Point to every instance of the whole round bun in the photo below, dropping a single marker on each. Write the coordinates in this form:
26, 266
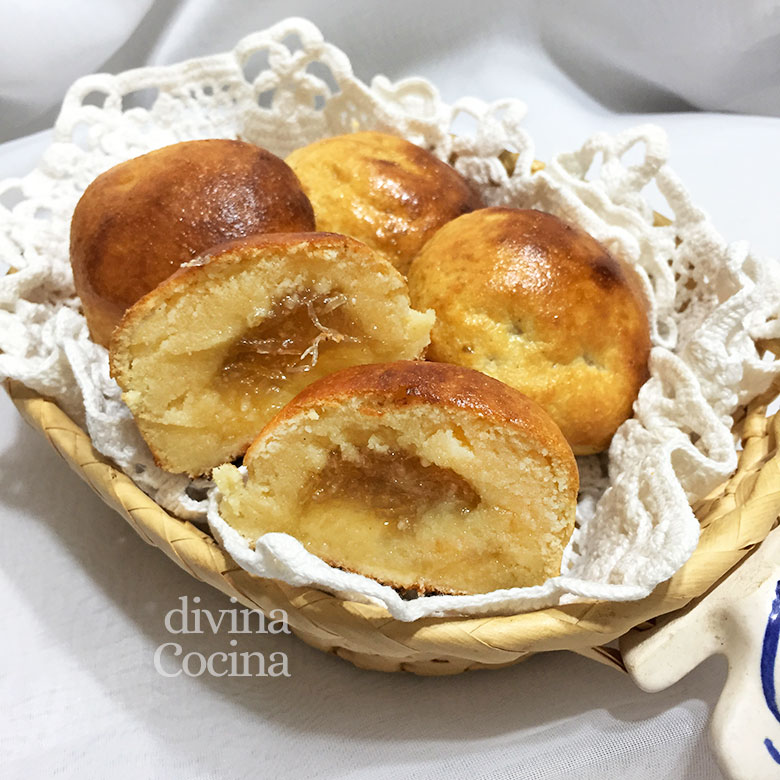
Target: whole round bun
208, 357
140, 220
381, 189
424, 476
541, 305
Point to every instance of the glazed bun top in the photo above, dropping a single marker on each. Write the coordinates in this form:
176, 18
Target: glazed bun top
382, 190
140, 220
541, 305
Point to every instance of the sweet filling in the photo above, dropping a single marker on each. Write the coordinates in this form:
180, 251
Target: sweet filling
291, 340
396, 486
370, 504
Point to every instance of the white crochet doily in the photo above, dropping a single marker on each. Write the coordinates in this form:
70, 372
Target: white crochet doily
283, 88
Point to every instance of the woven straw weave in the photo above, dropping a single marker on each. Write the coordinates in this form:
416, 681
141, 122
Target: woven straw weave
733, 518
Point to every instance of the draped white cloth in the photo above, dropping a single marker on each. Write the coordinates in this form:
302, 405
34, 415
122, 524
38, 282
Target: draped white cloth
647, 55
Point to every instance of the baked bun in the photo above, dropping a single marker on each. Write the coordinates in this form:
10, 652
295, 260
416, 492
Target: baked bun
541, 305
381, 189
209, 356
424, 476
140, 220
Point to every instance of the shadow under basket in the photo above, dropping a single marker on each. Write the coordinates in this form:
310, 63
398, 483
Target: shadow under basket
734, 519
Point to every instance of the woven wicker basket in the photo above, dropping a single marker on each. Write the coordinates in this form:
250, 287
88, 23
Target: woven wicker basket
733, 518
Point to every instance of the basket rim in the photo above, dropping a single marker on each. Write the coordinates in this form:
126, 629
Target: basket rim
334, 623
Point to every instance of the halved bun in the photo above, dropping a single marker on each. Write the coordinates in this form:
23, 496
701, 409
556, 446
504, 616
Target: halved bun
424, 476
209, 356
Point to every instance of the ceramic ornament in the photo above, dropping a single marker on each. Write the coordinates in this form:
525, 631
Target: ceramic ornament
739, 618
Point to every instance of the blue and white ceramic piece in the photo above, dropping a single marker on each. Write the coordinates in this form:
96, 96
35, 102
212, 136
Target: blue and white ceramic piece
739, 618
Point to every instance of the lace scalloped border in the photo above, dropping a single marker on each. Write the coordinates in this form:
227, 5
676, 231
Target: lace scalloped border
283, 88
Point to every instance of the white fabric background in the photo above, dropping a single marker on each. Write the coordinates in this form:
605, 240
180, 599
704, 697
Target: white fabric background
84, 599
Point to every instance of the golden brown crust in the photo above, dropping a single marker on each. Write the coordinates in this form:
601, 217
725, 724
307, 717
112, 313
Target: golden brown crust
381, 189
140, 220
541, 305
412, 382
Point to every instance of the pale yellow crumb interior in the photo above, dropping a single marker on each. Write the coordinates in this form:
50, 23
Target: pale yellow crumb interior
420, 498
206, 370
